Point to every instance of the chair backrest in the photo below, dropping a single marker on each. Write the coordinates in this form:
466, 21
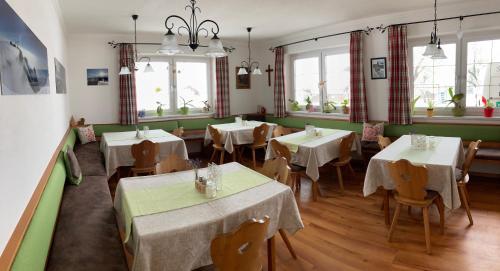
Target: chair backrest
277, 169
345, 148
260, 134
240, 249
172, 163
145, 154
471, 154
216, 136
178, 132
410, 180
281, 131
383, 142
281, 150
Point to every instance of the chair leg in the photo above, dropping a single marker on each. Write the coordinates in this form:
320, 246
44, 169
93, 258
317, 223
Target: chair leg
440, 205
351, 170
315, 190
463, 198
467, 194
253, 159
287, 243
341, 182
427, 229
387, 214
271, 254
222, 157
212, 158
394, 221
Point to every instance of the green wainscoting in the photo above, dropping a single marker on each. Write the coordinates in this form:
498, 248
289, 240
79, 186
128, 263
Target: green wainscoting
465, 131
201, 124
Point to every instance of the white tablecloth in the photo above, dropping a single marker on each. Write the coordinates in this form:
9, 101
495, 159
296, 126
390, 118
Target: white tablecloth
318, 151
237, 134
116, 147
440, 162
180, 239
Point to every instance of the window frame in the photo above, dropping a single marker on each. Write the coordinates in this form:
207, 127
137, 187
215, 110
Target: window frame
321, 55
173, 93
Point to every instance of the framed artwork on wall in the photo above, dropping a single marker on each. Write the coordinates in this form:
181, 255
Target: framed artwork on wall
60, 77
97, 77
24, 68
243, 80
379, 68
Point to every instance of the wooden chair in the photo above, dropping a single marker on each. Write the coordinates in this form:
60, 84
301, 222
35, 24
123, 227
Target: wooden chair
344, 158
281, 150
240, 249
218, 147
410, 190
383, 142
172, 163
178, 132
281, 131
277, 169
145, 155
462, 177
259, 141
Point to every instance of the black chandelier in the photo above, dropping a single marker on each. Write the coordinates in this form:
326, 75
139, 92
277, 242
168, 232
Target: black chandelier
433, 49
246, 66
170, 46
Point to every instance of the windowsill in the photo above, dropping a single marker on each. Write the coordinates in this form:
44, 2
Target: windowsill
177, 117
319, 115
459, 120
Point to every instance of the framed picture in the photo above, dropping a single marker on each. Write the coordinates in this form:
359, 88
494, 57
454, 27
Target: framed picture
242, 81
24, 68
97, 77
379, 68
60, 77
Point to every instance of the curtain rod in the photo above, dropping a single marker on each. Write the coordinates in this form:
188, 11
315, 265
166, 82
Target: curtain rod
382, 28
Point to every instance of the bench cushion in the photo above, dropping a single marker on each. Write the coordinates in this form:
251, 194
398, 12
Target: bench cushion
488, 154
86, 236
90, 159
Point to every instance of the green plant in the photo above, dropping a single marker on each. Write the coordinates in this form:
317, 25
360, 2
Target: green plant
329, 106
487, 103
294, 105
413, 103
309, 106
454, 98
159, 109
308, 100
430, 105
184, 110
345, 102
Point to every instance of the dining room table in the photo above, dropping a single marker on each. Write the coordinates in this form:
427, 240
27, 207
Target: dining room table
238, 133
116, 147
440, 155
166, 224
313, 151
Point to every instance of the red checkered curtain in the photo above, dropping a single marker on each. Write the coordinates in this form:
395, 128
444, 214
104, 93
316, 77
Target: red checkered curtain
222, 94
279, 83
128, 102
399, 91
359, 111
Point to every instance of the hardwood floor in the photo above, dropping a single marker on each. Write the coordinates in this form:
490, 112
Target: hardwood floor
347, 232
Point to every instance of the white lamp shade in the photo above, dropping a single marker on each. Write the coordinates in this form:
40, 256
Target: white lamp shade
439, 54
257, 71
430, 49
215, 48
149, 68
169, 45
242, 71
124, 71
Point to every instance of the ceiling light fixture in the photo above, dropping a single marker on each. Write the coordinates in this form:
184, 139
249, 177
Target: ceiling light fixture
170, 45
124, 70
246, 66
433, 49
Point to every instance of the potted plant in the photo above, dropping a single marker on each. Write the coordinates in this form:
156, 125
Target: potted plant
294, 105
206, 107
159, 109
455, 99
430, 108
329, 106
488, 107
345, 106
309, 106
184, 110
412, 105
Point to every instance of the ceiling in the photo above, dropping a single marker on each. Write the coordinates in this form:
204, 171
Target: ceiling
270, 18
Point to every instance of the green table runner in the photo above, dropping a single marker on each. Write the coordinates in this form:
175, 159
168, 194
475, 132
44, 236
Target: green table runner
294, 142
168, 197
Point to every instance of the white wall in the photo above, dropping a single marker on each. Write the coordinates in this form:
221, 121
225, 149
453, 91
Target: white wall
376, 43
100, 104
31, 125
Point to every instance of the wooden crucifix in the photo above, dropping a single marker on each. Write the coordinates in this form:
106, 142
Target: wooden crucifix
269, 71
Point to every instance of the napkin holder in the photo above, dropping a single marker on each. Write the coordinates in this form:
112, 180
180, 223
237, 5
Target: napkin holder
201, 185
238, 120
310, 130
418, 142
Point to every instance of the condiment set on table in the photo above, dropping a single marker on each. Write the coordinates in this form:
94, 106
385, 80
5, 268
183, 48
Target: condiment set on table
208, 185
422, 142
144, 134
241, 121
312, 131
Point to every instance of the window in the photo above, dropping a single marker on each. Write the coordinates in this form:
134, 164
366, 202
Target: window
433, 77
189, 83
483, 71
324, 77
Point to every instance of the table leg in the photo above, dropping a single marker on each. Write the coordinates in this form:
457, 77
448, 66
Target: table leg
271, 254
315, 190
386, 207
